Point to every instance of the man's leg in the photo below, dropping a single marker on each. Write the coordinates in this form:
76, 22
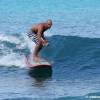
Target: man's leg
36, 51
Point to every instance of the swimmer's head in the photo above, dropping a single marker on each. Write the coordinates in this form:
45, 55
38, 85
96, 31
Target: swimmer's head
49, 23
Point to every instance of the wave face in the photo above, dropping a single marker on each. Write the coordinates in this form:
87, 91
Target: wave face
75, 55
75, 49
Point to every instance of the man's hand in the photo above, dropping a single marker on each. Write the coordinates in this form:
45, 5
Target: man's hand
44, 42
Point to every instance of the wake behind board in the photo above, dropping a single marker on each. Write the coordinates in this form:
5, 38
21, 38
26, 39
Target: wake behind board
37, 64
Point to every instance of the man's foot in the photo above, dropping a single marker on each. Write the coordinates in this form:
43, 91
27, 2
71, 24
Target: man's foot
36, 58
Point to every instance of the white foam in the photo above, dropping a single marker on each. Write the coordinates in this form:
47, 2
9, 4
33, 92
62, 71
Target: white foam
9, 38
9, 58
13, 59
30, 44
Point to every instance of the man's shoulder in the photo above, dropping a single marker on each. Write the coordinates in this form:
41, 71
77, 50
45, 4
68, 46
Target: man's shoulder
41, 25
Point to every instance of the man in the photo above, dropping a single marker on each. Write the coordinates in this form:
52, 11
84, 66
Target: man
37, 35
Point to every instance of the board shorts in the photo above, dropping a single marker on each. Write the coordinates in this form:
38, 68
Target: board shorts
33, 37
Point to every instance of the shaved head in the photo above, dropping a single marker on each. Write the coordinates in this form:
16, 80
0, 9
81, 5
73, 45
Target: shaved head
49, 22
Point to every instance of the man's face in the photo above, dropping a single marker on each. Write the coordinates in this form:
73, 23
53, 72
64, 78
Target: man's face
49, 25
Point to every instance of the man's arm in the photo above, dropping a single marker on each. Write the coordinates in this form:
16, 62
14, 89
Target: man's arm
44, 40
40, 33
41, 36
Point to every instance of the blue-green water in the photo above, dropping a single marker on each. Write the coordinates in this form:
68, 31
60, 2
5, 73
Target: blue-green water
74, 49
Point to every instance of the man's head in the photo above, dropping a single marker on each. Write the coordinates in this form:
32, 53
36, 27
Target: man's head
49, 23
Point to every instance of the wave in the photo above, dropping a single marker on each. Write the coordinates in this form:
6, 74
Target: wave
12, 50
74, 55
72, 46
66, 49
75, 58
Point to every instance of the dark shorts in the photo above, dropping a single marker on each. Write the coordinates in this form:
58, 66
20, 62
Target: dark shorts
33, 37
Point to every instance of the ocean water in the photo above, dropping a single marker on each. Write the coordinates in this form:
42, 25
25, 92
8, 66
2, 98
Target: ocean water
74, 50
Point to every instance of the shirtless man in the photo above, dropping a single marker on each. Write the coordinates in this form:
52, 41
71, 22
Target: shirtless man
36, 34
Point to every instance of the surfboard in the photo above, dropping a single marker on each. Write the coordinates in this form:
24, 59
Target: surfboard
40, 69
37, 64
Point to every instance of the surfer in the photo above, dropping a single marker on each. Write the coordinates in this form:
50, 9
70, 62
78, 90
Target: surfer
36, 34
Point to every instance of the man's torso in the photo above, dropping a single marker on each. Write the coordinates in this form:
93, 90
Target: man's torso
39, 27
